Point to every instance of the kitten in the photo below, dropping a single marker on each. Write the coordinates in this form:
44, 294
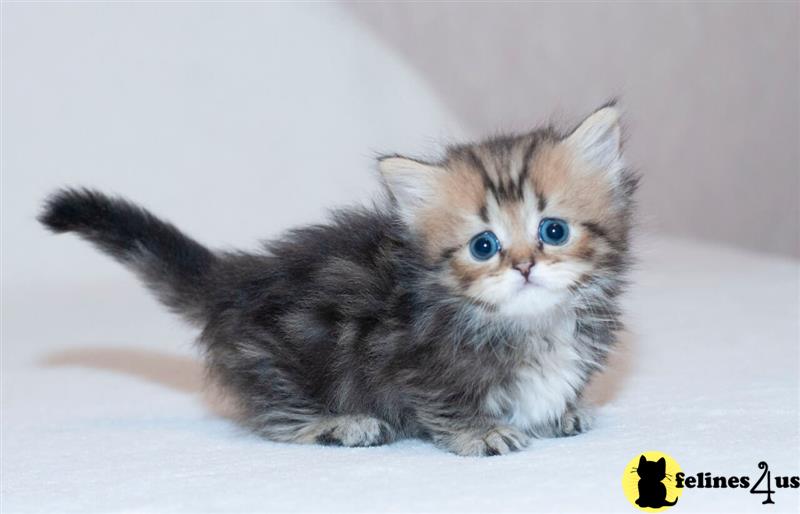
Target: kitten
652, 493
470, 310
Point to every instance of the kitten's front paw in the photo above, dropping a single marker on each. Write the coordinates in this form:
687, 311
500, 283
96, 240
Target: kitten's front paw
495, 441
354, 430
576, 420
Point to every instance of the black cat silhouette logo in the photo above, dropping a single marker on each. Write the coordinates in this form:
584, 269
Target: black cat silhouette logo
649, 481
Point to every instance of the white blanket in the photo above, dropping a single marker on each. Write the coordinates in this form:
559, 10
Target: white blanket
104, 409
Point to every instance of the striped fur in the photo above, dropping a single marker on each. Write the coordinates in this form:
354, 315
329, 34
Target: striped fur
379, 325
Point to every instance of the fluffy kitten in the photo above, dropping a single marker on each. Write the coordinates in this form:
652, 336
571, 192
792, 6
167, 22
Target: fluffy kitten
470, 310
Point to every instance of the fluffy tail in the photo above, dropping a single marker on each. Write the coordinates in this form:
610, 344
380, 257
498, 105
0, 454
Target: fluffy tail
177, 268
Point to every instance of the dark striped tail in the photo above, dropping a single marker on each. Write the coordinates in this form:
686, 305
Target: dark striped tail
177, 268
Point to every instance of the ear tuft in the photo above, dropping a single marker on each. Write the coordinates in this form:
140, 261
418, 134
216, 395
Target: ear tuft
411, 183
598, 139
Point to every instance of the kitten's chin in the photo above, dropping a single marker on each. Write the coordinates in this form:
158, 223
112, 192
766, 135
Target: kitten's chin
532, 302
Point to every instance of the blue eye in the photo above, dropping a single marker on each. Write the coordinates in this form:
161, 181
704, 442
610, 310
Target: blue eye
484, 246
553, 231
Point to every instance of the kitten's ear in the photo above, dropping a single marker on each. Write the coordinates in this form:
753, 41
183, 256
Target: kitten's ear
662, 463
598, 139
411, 183
642, 460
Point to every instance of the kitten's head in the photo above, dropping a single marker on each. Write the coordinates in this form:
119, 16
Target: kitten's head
652, 469
519, 224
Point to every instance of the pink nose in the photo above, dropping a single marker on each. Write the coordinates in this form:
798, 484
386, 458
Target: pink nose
524, 268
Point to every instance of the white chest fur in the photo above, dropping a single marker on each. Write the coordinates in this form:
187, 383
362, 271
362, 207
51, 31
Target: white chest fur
544, 385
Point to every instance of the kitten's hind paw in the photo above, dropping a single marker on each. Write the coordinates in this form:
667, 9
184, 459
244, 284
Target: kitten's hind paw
576, 420
495, 441
353, 430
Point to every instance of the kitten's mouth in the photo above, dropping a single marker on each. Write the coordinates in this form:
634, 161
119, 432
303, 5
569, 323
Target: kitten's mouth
530, 282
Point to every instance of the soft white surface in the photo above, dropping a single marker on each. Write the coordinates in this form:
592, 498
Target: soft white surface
103, 409
237, 126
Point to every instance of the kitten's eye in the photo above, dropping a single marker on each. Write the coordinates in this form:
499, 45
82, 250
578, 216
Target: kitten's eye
484, 246
553, 231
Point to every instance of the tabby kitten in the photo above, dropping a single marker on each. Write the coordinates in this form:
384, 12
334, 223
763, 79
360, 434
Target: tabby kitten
470, 310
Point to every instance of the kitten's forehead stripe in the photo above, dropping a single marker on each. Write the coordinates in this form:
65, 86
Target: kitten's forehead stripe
503, 166
483, 213
481, 169
524, 173
541, 202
